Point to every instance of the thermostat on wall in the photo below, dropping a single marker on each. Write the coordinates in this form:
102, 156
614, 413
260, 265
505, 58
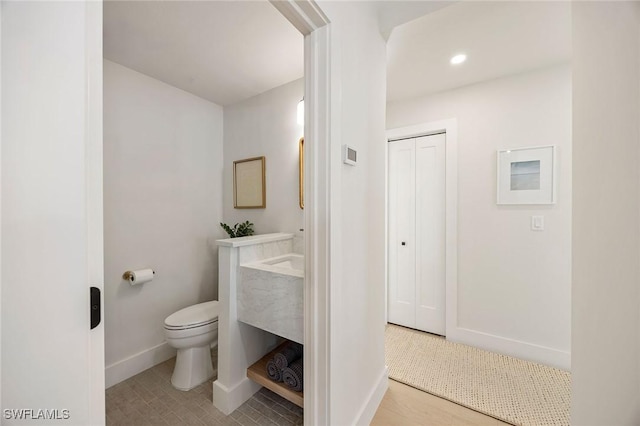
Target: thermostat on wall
350, 155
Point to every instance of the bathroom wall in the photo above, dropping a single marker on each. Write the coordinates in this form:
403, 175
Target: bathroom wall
266, 125
514, 284
162, 205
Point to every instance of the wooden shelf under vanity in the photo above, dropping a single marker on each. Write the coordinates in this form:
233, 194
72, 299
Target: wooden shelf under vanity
258, 373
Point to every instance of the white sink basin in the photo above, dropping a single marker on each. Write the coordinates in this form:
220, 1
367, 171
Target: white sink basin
288, 264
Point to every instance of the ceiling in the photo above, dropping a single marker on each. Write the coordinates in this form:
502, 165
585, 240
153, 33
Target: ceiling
228, 51
392, 13
222, 51
499, 38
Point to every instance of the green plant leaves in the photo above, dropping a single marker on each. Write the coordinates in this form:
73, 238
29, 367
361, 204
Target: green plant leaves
243, 229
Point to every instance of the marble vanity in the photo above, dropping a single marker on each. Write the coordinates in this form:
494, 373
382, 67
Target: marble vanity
271, 295
260, 291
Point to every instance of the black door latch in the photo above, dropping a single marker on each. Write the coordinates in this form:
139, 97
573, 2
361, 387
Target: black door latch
95, 307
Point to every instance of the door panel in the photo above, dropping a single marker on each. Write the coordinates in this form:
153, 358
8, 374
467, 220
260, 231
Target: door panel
51, 212
402, 230
430, 234
417, 279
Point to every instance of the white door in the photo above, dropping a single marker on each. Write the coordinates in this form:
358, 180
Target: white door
52, 363
430, 234
402, 236
417, 233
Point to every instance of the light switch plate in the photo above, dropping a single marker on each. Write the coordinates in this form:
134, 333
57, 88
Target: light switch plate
537, 223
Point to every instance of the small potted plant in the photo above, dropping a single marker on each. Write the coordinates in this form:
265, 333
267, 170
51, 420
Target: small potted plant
243, 229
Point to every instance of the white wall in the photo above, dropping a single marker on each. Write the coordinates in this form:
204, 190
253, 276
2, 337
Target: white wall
357, 295
266, 125
162, 204
606, 211
514, 284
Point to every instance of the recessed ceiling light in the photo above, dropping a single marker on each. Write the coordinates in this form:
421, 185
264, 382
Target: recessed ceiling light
458, 59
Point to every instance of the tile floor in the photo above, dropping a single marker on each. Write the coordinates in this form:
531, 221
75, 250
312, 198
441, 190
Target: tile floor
148, 399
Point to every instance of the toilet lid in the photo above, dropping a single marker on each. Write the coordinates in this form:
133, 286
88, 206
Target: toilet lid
194, 315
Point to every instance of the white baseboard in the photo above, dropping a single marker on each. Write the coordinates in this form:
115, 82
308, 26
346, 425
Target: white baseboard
375, 397
228, 399
516, 348
129, 367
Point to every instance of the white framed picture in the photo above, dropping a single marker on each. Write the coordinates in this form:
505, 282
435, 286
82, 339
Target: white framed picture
527, 175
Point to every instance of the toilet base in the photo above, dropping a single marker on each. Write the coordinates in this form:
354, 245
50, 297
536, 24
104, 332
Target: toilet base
193, 367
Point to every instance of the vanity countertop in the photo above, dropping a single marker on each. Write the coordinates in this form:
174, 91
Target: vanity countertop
291, 264
254, 239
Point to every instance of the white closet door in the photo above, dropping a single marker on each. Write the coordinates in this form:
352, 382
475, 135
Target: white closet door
402, 249
430, 233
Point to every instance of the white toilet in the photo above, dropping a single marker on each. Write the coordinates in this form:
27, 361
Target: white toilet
192, 330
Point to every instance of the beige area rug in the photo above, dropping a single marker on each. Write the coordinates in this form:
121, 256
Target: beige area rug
509, 389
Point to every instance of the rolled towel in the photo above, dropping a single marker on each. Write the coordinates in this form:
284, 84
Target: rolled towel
292, 375
273, 371
286, 356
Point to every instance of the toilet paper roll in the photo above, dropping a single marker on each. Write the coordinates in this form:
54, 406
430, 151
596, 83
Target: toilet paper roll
139, 276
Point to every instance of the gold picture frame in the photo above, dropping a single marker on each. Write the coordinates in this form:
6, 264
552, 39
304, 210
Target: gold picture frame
301, 171
249, 189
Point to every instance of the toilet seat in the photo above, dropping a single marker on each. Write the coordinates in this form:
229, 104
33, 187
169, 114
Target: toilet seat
187, 327
200, 315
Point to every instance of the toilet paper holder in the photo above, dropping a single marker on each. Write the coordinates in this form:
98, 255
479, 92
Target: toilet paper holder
129, 274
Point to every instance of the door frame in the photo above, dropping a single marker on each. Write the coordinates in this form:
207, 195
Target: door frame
314, 25
450, 127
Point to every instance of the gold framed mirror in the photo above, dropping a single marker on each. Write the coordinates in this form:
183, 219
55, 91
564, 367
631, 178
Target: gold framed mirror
301, 171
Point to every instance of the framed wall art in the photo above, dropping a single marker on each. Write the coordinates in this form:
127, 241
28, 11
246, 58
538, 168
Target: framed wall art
249, 190
527, 175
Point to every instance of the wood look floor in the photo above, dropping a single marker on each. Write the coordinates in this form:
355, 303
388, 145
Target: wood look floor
403, 405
